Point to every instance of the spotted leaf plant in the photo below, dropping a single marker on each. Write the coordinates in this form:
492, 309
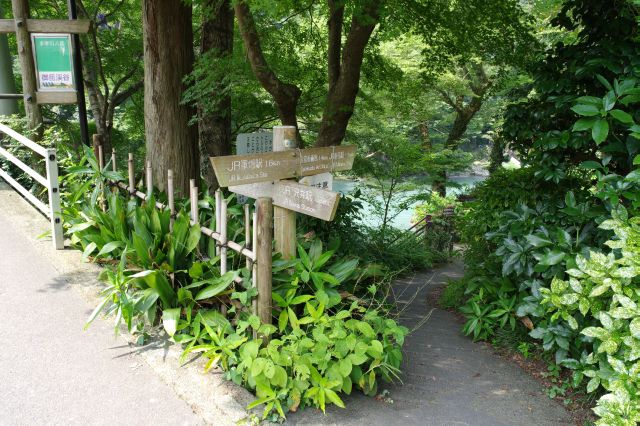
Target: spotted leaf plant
601, 299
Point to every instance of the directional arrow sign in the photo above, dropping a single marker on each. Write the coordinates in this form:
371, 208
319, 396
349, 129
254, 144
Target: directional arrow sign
273, 166
293, 196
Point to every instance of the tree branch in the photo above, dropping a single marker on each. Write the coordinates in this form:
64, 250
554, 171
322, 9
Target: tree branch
285, 95
126, 94
335, 22
449, 100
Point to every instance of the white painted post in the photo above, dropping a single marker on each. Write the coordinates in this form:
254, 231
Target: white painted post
54, 199
170, 200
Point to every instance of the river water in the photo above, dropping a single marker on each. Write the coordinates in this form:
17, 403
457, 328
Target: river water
403, 219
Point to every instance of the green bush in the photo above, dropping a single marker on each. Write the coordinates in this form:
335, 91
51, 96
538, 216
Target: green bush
326, 342
453, 294
556, 242
600, 300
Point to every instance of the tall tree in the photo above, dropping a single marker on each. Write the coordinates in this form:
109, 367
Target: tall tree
344, 75
344, 63
25, 55
168, 57
216, 42
465, 106
109, 78
285, 95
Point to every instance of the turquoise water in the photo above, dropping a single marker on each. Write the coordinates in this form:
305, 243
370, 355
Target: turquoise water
403, 219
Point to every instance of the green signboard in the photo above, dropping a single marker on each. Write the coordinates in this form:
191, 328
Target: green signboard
54, 66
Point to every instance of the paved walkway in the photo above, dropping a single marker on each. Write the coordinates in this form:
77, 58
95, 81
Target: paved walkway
53, 372
448, 379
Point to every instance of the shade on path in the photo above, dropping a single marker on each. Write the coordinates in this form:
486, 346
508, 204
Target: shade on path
447, 379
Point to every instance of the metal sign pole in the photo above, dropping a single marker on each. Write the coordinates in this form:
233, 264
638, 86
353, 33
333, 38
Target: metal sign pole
77, 70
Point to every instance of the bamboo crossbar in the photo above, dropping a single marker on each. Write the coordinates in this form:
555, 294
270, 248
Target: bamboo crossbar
206, 231
257, 228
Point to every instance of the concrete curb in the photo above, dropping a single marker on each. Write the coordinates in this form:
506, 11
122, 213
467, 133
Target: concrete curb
216, 400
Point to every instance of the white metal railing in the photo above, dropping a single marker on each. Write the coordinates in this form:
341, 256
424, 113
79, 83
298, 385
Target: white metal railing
50, 182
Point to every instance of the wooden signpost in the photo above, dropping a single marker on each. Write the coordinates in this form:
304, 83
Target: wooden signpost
271, 166
294, 196
266, 177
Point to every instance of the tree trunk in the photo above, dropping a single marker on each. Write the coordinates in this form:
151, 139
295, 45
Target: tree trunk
423, 127
215, 128
285, 95
334, 24
25, 54
480, 84
496, 157
168, 57
341, 98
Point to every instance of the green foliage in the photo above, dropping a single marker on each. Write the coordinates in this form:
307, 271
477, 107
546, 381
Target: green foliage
453, 294
324, 356
606, 51
599, 300
434, 205
327, 341
562, 232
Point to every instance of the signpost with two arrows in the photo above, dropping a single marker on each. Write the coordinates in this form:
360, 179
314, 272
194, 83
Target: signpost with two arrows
269, 177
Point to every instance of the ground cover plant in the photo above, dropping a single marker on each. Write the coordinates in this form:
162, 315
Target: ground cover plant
332, 330
562, 231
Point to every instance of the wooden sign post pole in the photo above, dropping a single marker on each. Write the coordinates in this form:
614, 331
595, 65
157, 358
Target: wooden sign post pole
25, 54
263, 248
284, 220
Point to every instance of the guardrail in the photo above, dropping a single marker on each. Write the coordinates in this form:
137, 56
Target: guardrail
50, 182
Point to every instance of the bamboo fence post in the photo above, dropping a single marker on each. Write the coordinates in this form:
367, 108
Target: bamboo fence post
149, 180
101, 165
217, 214
254, 266
113, 160
100, 157
193, 190
223, 245
170, 200
132, 176
96, 142
264, 207
223, 237
247, 231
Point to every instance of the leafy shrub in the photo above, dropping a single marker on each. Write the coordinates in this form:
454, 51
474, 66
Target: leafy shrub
453, 294
564, 250
600, 301
327, 340
434, 205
